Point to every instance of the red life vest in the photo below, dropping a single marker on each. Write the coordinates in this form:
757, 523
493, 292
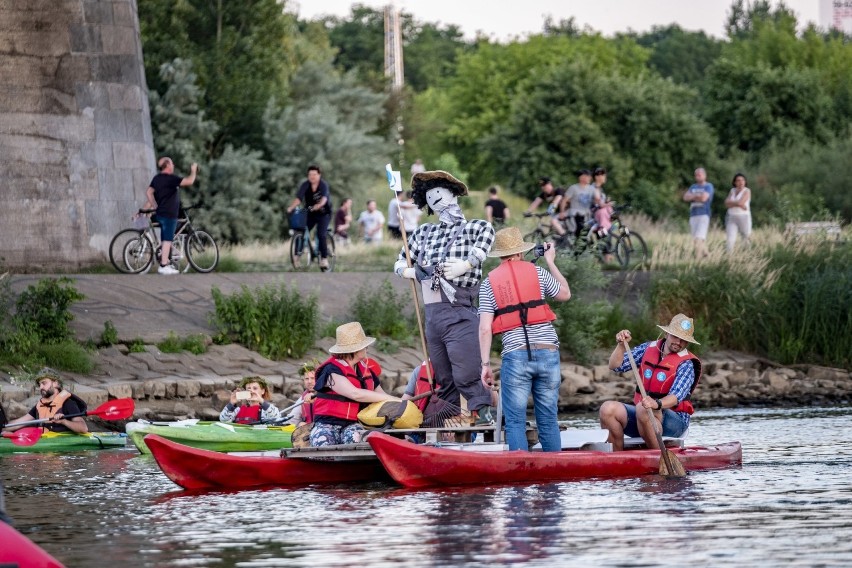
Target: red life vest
372, 365
329, 403
248, 414
658, 375
422, 386
307, 409
517, 293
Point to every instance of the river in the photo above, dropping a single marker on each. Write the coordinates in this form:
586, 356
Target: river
790, 504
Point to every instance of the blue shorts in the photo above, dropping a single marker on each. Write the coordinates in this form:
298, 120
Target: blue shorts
673, 426
167, 228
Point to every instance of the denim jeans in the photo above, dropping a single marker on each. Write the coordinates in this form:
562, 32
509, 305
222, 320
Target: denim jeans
518, 377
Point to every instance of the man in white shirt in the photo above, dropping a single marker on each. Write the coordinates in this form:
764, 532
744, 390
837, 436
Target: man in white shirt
371, 222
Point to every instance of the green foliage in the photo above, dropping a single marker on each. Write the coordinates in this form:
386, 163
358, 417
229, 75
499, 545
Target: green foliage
45, 307
277, 322
109, 336
66, 355
229, 263
641, 323
136, 345
195, 344
679, 54
381, 311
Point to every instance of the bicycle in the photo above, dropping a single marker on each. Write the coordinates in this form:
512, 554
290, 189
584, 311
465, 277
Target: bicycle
301, 256
133, 251
544, 231
625, 244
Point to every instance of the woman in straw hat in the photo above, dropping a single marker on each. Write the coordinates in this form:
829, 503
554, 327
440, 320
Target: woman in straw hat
341, 389
512, 302
250, 403
669, 374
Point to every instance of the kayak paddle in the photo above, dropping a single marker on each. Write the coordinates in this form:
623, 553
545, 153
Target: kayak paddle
117, 409
670, 466
24, 436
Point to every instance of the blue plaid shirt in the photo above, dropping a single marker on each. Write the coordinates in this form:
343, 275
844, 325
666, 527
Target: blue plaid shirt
684, 377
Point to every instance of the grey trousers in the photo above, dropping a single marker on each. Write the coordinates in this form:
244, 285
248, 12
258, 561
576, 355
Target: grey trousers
452, 334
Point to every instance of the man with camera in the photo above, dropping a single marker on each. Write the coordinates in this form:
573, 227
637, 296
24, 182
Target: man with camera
250, 403
512, 302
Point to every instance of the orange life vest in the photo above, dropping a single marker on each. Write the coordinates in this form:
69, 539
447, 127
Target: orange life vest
329, 403
517, 293
659, 373
49, 410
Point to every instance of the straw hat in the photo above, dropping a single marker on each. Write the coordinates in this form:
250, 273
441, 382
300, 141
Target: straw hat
682, 327
350, 339
424, 181
509, 241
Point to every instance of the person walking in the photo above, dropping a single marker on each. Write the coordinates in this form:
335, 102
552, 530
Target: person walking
512, 303
496, 210
738, 219
371, 222
163, 193
342, 221
699, 196
315, 194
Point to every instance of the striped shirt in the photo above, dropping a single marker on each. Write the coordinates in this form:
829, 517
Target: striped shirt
472, 244
684, 377
538, 333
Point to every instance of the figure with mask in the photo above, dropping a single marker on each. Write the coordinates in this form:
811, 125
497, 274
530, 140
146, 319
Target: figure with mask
447, 259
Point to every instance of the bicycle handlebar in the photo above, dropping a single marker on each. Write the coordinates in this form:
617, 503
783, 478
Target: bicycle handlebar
539, 215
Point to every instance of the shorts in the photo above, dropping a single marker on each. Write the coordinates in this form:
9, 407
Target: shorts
673, 425
699, 225
167, 228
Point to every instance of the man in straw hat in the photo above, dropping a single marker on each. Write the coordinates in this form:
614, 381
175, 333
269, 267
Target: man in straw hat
341, 389
54, 404
512, 302
447, 258
669, 374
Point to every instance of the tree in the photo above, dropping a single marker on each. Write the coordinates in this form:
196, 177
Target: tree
682, 55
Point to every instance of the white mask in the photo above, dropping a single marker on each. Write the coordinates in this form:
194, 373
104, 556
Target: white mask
439, 198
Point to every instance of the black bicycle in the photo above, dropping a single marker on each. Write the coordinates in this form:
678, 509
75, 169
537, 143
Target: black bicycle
628, 247
304, 248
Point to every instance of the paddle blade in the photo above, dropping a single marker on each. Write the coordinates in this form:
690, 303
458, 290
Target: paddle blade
24, 436
117, 409
670, 466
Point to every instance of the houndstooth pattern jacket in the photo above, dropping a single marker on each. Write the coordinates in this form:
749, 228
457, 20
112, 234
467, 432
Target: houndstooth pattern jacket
428, 244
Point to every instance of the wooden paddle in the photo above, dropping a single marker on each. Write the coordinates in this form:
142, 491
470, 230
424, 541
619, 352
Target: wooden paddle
117, 409
24, 436
670, 466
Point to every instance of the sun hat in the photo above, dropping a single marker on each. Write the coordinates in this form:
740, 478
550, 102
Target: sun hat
509, 241
424, 181
682, 327
350, 339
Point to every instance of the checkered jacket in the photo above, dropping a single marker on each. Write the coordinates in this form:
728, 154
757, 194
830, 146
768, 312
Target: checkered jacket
472, 244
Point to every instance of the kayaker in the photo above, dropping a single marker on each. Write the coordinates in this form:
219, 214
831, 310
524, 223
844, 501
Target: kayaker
54, 404
512, 302
250, 403
447, 259
670, 374
341, 390
304, 413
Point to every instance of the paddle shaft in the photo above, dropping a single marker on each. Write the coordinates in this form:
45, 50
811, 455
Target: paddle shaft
664, 454
107, 411
45, 420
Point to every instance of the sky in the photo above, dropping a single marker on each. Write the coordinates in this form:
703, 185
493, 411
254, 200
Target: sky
503, 19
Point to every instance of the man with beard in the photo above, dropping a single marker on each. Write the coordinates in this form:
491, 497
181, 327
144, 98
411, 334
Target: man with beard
54, 404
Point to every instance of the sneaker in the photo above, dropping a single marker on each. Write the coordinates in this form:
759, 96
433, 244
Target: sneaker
167, 269
323, 264
484, 417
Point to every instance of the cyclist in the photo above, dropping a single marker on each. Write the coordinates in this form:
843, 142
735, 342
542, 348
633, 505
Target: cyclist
164, 194
315, 194
574, 208
602, 208
552, 196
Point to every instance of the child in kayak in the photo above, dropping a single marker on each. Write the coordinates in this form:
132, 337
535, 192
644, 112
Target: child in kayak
250, 403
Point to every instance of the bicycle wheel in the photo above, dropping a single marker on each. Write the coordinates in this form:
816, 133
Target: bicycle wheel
116, 248
202, 251
536, 236
631, 250
331, 255
138, 254
300, 254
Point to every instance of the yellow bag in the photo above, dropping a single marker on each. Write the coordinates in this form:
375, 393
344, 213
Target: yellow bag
376, 415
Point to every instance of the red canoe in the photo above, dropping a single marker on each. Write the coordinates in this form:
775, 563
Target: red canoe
414, 465
18, 551
192, 468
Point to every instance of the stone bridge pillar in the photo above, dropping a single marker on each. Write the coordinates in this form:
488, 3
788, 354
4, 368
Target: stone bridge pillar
76, 151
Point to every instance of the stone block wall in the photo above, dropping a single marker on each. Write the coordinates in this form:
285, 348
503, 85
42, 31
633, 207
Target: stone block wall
76, 149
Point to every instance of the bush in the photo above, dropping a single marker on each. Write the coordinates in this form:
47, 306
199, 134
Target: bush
109, 336
195, 344
45, 307
382, 312
66, 355
277, 322
136, 345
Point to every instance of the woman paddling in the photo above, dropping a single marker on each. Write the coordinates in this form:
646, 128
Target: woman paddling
341, 389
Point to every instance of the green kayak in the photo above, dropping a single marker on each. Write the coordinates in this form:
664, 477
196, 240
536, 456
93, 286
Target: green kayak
68, 442
215, 436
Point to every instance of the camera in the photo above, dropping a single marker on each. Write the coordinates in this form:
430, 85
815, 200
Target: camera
243, 395
538, 251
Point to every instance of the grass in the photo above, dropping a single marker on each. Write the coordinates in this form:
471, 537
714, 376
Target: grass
195, 344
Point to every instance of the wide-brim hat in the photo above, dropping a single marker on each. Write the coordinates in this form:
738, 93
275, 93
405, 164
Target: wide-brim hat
681, 326
351, 339
509, 241
424, 181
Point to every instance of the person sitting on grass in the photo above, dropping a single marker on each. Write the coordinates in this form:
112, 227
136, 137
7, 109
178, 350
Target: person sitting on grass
250, 403
341, 389
55, 403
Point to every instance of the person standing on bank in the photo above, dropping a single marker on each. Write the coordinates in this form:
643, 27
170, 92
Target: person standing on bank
512, 302
699, 196
738, 219
315, 194
669, 373
55, 403
164, 193
496, 210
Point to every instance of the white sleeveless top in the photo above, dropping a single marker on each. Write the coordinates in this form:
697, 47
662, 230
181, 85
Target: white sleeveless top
740, 210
